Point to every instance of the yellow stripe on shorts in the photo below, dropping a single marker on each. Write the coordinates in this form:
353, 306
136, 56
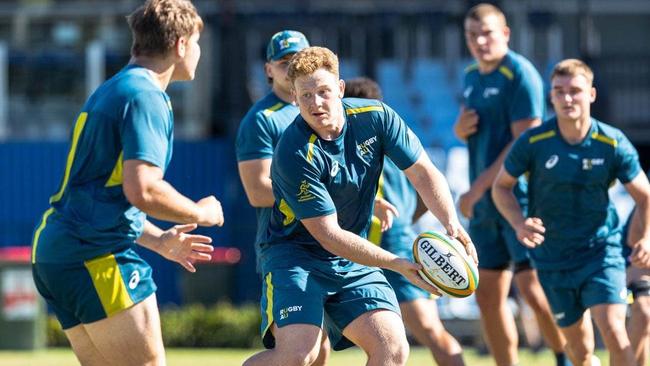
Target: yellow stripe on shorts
269, 302
109, 284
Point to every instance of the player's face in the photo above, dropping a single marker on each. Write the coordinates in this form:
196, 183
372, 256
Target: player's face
572, 96
277, 70
319, 98
189, 52
487, 40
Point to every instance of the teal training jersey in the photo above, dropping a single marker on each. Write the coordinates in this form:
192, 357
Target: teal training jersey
395, 188
128, 117
259, 132
512, 92
313, 177
568, 187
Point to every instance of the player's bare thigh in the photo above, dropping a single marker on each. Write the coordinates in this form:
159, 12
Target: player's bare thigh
130, 337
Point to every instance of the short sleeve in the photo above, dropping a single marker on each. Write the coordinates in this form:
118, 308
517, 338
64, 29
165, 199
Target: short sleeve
147, 128
518, 159
401, 144
254, 140
627, 159
527, 100
297, 180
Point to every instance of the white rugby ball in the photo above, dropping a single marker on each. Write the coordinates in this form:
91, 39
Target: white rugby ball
446, 264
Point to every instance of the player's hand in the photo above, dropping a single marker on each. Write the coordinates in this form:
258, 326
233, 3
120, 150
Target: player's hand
186, 249
467, 201
531, 232
211, 212
409, 270
640, 256
456, 230
466, 124
385, 212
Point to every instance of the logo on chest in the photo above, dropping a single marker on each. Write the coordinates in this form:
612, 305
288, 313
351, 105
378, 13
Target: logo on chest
335, 168
550, 163
364, 147
588, 164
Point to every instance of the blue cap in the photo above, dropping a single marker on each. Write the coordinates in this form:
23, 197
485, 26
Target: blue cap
285, 42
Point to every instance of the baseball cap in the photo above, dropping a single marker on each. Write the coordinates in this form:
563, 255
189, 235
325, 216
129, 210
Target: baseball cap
285, 42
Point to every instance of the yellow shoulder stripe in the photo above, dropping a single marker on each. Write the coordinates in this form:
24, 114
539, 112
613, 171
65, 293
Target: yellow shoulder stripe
604, 139
506, 72
116, 178
541, 136
310, 152
372, 108
471, 68
78, 127
268, 111
289, 216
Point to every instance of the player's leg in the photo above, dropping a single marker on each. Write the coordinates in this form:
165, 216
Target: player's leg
295, 345
380, 333
639, 324
422, 320
83, 347
580, 340
130, 337
610, 319
497, 320
531, 291
324, 351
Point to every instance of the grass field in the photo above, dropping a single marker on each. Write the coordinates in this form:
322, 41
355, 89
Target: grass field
232, 357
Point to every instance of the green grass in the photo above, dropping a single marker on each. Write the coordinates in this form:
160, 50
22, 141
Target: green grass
232, 357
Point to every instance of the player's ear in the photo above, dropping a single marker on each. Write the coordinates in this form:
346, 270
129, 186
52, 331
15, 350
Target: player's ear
181, 46
592, 95
506, 32
341, 88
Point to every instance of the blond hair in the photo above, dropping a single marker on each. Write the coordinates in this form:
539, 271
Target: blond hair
158, 24
483, 10
573, 67
308, 60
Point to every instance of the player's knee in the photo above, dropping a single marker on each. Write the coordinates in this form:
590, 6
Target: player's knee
303, 355
397, 353
615, 335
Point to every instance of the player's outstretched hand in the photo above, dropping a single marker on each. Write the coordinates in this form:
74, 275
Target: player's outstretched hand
212, 214
640, 256
466, 124
409, 270
456, 230
186, 249
385, 212
467, 201
531, 232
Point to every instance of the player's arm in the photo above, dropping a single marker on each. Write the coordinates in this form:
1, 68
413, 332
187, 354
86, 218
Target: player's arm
432, 187
484, 181
639, 234
176, 244
326, 230
530, 231
256, 177
145, 189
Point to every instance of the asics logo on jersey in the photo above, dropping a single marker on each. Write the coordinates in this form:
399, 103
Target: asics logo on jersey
550, 163
468, 91
134, 279
364, 147
284, 313
487, 92
303, 192
335, 169
588, 164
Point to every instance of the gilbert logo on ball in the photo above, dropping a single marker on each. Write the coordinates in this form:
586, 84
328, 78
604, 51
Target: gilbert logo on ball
446, 264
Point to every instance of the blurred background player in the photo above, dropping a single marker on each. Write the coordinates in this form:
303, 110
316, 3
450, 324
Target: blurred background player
259, 132
572, 227
638, 284
84, 264
419, 310
315, 260
503, 96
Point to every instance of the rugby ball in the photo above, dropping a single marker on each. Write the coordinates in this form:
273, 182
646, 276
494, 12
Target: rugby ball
445, 264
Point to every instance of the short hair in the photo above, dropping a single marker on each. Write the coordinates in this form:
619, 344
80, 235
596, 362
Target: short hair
362, 87
158, 24
310, 59
573, 67
483, 10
